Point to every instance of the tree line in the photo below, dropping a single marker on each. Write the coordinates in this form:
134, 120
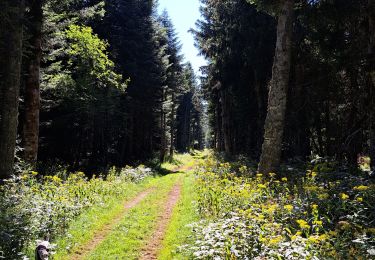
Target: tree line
93, 83
289, 78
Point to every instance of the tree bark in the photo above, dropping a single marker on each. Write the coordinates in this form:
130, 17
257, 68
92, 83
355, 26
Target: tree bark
32, 84
11, 36
172, 118
371, 71
277, 99
226, 122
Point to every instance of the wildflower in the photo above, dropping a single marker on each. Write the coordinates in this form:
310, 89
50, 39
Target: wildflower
56, 179
284, 179
323, 196
303, 224
288, 208
272, 174
275, 240
359, 199
314, 206
298, 234
314, 174
318, 222
344, 196
361, 188
259, 175
34, 173
262, 186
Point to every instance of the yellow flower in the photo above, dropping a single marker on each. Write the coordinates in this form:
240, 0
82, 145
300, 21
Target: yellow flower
303, 224
361, 188
313, 174
275, 240
262, 186
318, 222
288, 208
34, 173
344, 196
359, 199
314, 206
259, 175
323, 196
284, 179
298, 234
272, 174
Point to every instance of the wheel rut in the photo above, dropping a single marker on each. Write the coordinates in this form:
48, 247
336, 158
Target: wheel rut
153, 245
100, 235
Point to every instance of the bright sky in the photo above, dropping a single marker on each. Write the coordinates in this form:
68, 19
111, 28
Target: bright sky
184, 14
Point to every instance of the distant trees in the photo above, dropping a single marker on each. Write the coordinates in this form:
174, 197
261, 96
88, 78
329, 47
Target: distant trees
79, 57
328, 110
11, 39
239, 44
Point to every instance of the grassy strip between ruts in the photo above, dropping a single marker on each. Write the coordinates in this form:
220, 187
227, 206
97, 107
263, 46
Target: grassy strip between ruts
178, 233
83, 229
127, 238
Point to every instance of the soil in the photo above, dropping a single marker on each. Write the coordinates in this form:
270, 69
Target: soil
153, 245
99, 236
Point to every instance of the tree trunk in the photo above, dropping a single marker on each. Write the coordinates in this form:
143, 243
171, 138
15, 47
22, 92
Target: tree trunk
171, 148
11, 36
32, 84
277, 99
226, 122
163, 129
371, 71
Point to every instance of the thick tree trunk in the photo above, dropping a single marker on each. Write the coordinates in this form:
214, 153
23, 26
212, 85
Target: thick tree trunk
32, 84
11, 34
371, 71
277, 99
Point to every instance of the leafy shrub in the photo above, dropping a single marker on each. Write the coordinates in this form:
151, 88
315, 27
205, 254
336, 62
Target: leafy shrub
33, 207
305, 216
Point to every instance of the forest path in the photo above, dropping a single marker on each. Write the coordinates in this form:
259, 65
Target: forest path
149, 225
100, 235
153, 245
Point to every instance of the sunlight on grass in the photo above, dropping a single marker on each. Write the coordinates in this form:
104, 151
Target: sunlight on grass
178, 233
83, 229
127, 239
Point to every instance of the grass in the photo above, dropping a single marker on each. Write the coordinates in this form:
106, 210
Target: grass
178, 233
82, 230
126, 241
129, 236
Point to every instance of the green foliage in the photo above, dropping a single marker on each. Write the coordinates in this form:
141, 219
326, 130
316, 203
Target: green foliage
263, 216
89, 60
34, 207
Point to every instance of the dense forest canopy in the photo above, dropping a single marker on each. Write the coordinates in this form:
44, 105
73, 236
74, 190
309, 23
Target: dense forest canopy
101, 83
105, 83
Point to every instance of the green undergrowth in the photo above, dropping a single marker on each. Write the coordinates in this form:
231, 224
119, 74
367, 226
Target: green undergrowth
82, 230
35, 207
178, 232
307, 215
128, 237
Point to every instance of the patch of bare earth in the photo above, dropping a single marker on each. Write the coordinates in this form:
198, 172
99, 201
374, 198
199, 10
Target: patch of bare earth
183, 168
100, 235
153, 245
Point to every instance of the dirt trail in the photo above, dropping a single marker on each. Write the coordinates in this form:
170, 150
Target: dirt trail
99, 236
152, 247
